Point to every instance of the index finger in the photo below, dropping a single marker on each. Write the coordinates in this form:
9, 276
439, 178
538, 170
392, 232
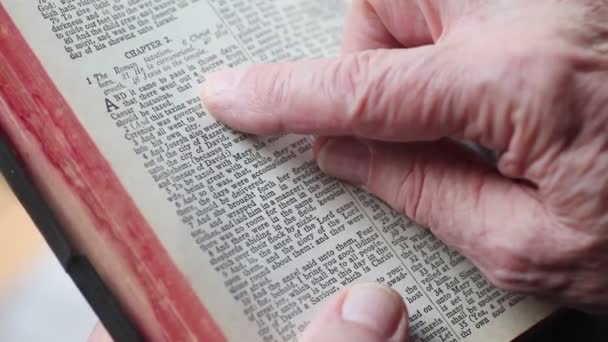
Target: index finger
392, 95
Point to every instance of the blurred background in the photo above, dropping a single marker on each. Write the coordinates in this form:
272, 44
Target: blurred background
38, 301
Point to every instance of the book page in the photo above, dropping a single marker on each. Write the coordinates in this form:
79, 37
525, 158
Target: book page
262, 235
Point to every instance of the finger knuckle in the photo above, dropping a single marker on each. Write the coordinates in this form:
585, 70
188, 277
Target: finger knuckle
409, 192
276, 87
540, 265
537, 88
508, 270
352, 77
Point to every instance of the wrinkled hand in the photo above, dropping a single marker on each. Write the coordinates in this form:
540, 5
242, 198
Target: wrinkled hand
528, 79
363, 313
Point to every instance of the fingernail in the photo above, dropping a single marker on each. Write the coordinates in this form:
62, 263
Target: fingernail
377, 308
345, 158
220, 87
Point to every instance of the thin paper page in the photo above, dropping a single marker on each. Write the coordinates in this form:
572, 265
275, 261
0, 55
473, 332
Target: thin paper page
263, 236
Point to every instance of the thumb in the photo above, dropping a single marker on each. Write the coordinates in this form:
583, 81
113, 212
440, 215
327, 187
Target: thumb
100, 334
362, 313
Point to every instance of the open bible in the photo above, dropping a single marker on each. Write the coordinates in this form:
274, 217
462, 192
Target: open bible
202, 232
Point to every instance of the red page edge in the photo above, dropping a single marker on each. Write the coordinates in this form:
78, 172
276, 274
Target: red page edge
186, 317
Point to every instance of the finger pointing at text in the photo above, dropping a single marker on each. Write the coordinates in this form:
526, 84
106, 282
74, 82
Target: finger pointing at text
524, 78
